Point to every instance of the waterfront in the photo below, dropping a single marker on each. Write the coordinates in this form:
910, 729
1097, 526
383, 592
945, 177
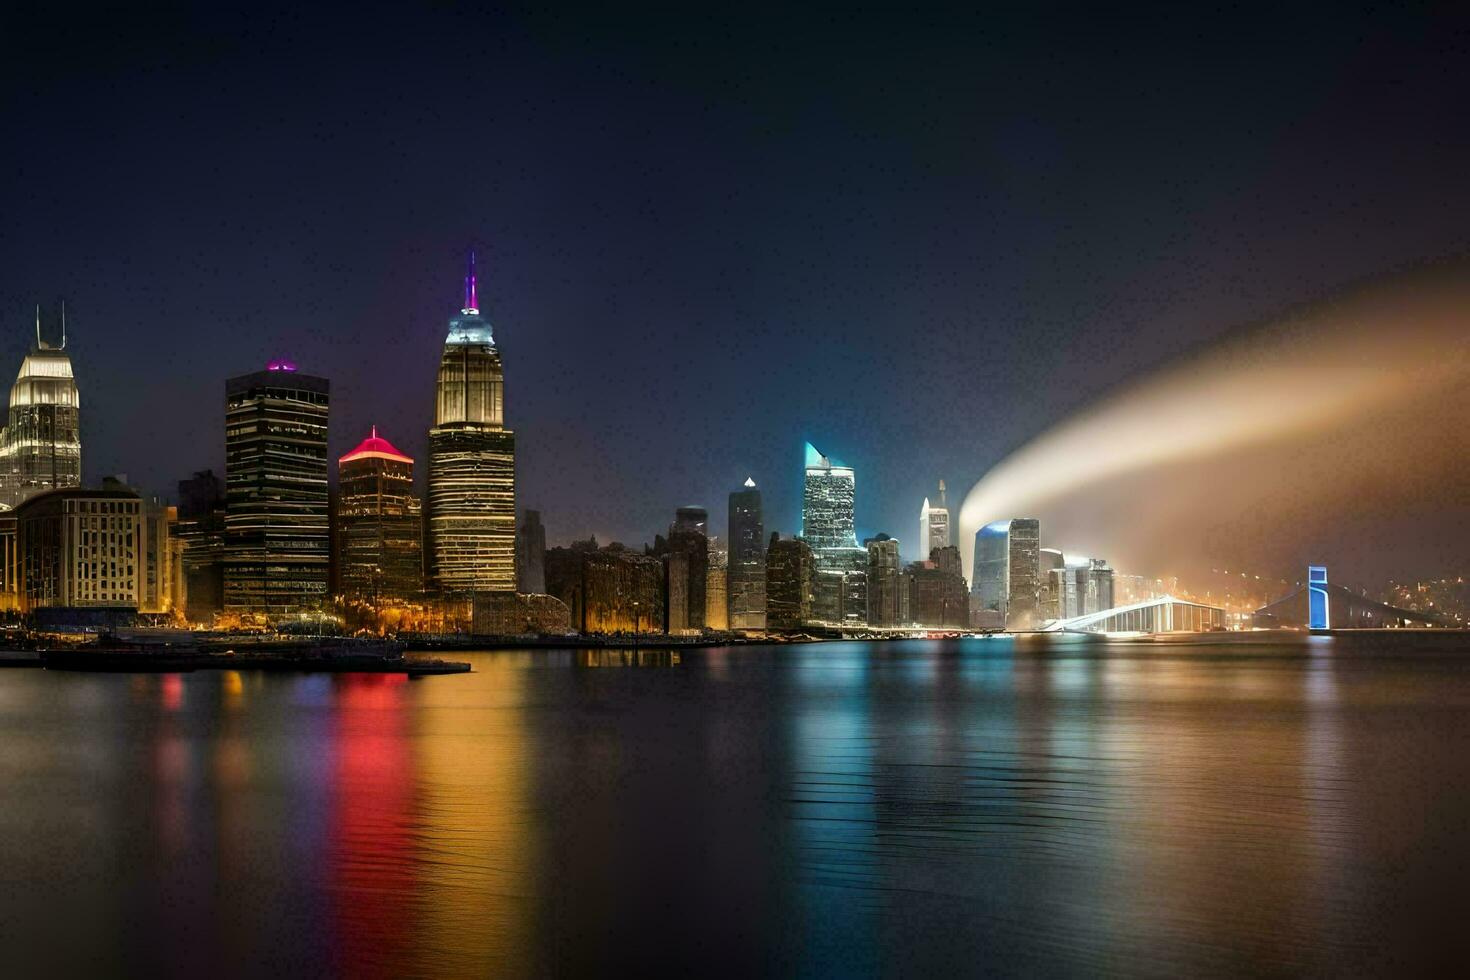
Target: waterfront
969, 806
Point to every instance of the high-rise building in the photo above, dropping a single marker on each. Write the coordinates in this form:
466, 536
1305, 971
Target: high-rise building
472, 491
277, 527
884, 568
1049, 561
827, 527
716, 591
688, 569
380, 525
607, 590
41, 447
790, 583
937, 596
531, 554
934, 524
201, 532
1005, 590
746, 581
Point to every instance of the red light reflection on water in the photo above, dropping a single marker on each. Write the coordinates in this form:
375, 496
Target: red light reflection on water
370, 871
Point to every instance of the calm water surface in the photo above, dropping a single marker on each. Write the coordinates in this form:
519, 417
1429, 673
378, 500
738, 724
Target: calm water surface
916, 808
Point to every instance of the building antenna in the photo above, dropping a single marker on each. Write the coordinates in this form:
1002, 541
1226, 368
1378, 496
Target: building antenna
63, 324
471, 300
38, 325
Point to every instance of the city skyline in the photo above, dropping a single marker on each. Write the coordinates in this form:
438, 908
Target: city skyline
971, 280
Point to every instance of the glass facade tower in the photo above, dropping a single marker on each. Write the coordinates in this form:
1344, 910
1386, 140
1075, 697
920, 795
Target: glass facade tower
746, 582
41, 446
1006, 575
277, 531
472, 483
827, 527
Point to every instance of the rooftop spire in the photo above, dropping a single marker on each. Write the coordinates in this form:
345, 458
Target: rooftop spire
471, 301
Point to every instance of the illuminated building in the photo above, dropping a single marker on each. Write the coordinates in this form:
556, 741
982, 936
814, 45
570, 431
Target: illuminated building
531, 554
277, 535
934, 525
81, 555
9, 567
1099, 586
716, 597
884, 568
472, 487
790, 583
157, 589
687, 565
379, 525
937, 595
201, 533
515, 614
41, 446
827, 527
827, 505
1005, 582
1049, 561
746, 581
607, 590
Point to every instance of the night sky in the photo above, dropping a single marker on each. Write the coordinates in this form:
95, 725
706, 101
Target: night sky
916, 241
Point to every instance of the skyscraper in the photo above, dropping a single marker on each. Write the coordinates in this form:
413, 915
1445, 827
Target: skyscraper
472, 496
688, 568
884, 567
41, 446
790, 583
717, 591
201, 529
531, 554
277, 533
1006, 575
934, 525
746, 581
379, 524
827, 527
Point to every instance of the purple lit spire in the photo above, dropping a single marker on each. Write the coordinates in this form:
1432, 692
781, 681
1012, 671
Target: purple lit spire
471, 301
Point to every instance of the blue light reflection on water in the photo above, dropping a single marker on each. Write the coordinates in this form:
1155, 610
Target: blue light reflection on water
995, 806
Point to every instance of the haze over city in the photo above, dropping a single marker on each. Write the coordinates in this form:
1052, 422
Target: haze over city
918, 267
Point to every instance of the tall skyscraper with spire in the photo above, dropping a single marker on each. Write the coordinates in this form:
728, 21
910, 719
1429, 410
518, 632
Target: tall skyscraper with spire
933, 525
472, 481
41, 447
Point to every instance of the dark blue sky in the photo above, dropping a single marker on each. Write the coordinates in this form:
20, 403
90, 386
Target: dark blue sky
914, 240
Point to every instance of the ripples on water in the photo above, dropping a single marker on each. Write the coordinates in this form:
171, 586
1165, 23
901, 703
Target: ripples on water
915, 808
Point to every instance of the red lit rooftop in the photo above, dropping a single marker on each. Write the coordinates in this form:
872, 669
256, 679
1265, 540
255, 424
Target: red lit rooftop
375, 447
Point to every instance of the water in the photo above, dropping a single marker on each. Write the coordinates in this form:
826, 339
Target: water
919, 808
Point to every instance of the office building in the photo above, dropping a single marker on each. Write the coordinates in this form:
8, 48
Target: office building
379, 527
934, 525
277, 522
607, 590
884, 579
827, 527
200, 532
531, 554
159, 587
717, 584
687, 565
80, 556
472, 499
1005, 584
746, 579
41, 448
790, 583
937, 595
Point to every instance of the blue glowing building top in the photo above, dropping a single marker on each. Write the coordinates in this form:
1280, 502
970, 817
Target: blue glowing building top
470, 328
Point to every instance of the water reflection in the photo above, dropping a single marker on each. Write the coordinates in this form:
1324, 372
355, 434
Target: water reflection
921, 808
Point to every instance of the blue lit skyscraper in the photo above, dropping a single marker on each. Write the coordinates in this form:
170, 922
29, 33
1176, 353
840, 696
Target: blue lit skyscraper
827, 527
1006, 575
